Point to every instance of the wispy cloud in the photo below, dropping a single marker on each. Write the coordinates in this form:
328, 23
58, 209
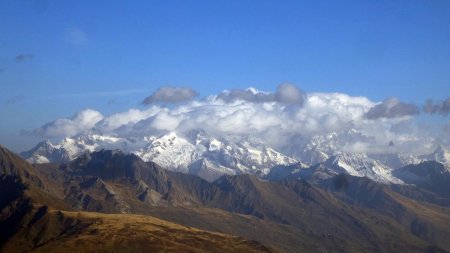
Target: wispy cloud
115, 93
15, 99
112, 101
77, 37
24, 57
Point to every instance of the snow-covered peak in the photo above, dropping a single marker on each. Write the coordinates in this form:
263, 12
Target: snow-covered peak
43, 146
170, 151
220, 155
45, 152
361, 165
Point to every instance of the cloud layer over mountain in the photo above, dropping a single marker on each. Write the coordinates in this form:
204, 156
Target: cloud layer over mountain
80, 122
170, 95
440, 107
286, 93
279, 118
392, 108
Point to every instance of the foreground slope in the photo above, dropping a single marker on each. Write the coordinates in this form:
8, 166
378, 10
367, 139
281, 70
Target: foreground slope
63, 231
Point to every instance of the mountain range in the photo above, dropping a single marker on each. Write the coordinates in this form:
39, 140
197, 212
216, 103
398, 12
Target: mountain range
141, 205
209, 157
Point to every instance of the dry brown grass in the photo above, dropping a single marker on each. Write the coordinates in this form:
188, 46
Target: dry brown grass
137, 233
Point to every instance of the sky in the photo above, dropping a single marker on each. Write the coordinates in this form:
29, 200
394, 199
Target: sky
59, 58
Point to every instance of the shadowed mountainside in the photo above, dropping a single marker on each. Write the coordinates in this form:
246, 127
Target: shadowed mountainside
34, 217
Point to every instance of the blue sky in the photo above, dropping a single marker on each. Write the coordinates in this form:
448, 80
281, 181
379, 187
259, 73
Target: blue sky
59, 57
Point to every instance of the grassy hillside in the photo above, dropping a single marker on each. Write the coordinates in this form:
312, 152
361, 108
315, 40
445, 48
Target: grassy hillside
62, 231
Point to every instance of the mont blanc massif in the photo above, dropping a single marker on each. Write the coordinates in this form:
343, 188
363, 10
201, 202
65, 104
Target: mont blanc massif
243, 171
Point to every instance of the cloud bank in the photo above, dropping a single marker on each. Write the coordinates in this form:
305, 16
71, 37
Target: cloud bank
285, 119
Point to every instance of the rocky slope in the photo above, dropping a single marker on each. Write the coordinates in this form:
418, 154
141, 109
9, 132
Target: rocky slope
37, 216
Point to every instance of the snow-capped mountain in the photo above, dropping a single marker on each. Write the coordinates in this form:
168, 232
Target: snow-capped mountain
211, 157
355, 164
45, 152
200, 154
359, 165
70, 148
362, 165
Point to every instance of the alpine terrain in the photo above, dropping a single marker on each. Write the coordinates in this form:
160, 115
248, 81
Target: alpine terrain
60, 206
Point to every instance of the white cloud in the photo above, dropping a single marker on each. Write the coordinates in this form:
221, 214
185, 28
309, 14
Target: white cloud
80, 122
285, 93
162, 121
131, 116
282, 125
